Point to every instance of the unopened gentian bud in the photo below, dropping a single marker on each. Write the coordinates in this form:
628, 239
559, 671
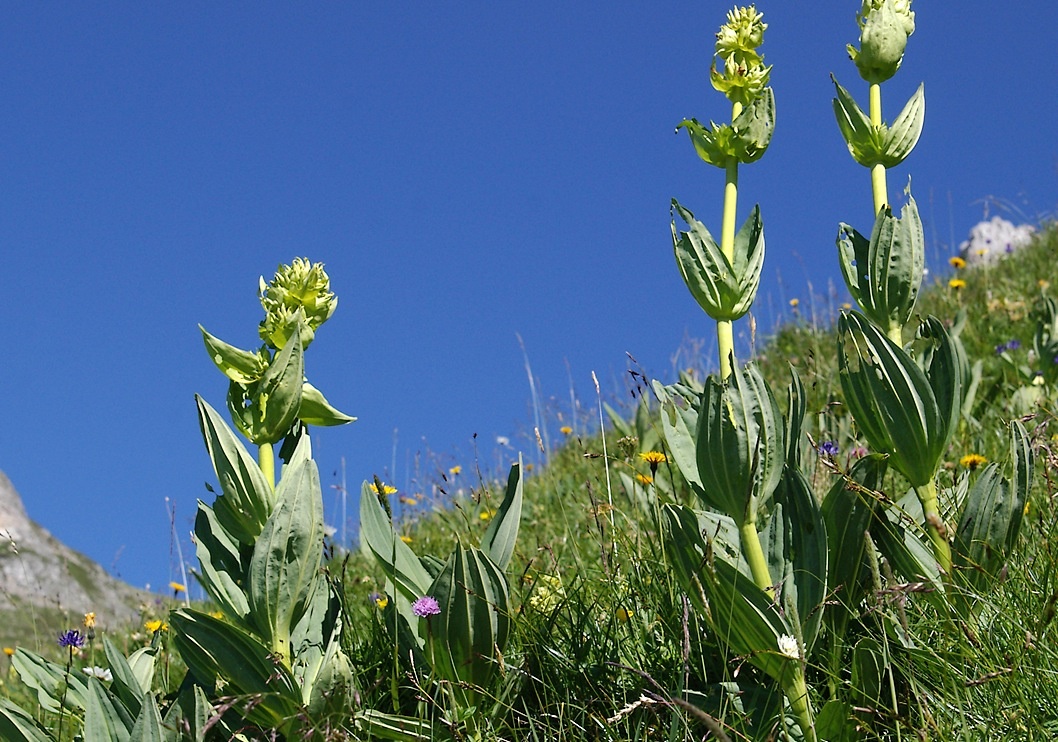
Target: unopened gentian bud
885, 26
300, 285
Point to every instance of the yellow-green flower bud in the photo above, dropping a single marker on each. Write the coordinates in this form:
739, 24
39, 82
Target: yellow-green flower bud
885, 26
301, 286
741, 35
739, 83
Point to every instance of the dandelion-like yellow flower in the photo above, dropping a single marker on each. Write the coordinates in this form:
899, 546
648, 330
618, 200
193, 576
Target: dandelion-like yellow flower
795, 302
957, 283
654, 457
645, 479
956, 262
381, 601
155, 626
623, 614
386, 489
216, 614
846, 306
9, 651
405, 500
177, 587
565, 430
406, 539
455, 470
972, 460
486, 515
89, 620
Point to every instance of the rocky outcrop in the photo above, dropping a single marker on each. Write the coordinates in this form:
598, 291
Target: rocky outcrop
43, 581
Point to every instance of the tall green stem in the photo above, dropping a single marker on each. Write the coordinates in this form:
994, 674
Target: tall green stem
927, 495
797, 692
754, 554
266, 460
878, 187
725, 336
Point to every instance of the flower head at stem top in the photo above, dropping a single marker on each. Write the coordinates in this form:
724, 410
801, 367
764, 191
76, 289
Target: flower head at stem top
653, 458
741, 74
72, 639
425, 607
885, 26
788, 647
299, 292
828, 448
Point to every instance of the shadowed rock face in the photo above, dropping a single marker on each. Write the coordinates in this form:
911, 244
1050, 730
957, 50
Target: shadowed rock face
41, 578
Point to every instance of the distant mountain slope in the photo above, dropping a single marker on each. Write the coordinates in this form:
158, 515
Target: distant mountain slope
46, 586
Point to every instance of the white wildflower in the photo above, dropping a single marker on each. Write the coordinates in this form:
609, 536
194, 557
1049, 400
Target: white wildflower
101, 673
788, 647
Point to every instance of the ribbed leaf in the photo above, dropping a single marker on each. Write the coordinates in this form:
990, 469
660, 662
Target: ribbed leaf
126, 685
104, 719
239, 365
754, 126
216, 650
725, 290
221, 572
896, 261
502, 533
902, 541
395, 557
389, 726
246, 499
740, 443
905, 131
890, 399
148, 725
805, 568
316, 410
679, 424
474, 622
48, 679
947, 370
862, 139
277, 396
287, 555
18, 726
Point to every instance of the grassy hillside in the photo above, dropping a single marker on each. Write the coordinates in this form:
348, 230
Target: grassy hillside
607, 647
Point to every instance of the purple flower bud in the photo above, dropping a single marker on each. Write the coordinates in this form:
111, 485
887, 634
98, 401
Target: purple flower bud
828, 448
425, 607
71, 638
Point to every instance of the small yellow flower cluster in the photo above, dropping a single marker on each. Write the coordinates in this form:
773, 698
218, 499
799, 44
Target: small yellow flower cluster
565, 430
548, 594
406, 539
89, 620
155, 626
972, 460
487, 514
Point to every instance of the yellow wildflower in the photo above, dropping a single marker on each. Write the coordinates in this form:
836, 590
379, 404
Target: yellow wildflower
957, 283
455, 470
972, 460
386, 489
795, 302
956, 262
548, 594
406, 539
9, 651
486, 515
846, 306
1043, 283
1028, 507
381, 601
89, 620
405, 500
216, 614
644, 479
623, 614
155, 626
177, 587
565, 430
654, 457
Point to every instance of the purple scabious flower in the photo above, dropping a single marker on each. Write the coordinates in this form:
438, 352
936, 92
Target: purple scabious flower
425, 607
71, 638
828, 448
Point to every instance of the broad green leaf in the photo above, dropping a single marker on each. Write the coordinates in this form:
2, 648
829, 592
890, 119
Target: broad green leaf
316, 410
796, 405
473, 624
723, 288
395, 557
125, 686
868, 669
905, 131
853, 258
241, 366
679, 424
247, 499
740, 443
389, 726
753, 127
103, 719
502, 533
805, 569
47, 680
276, 398
890, 399
148, 725
320, 666
901, 540
848, 509
715, 144
947, 370
18, 726
215, 650
287, 556
863, 140
221, 570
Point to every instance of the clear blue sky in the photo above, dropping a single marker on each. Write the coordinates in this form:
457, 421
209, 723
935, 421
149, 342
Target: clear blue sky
468, 172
